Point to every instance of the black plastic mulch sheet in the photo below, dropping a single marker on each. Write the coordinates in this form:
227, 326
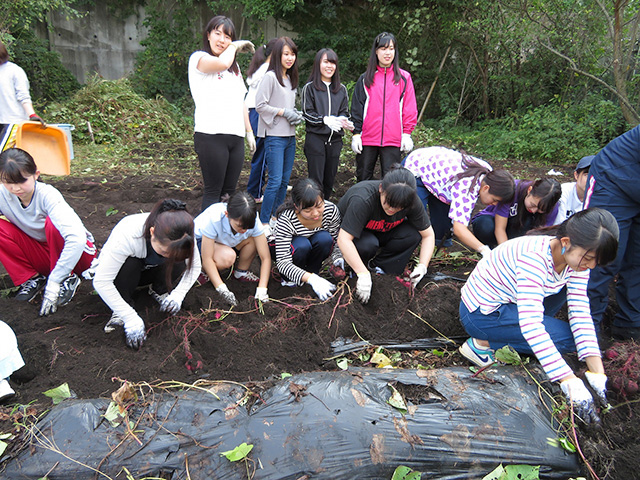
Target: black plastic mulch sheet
321, 425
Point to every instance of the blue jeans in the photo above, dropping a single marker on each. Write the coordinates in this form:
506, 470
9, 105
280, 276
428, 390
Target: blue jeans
438, 213
258, 167
501, 327
279, 155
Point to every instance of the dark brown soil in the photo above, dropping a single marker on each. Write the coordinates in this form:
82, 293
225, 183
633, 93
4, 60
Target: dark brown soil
292, 334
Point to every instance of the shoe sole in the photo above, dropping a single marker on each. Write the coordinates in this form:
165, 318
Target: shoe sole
472, 357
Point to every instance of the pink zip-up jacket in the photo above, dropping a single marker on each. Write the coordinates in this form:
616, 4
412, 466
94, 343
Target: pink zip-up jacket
386, 110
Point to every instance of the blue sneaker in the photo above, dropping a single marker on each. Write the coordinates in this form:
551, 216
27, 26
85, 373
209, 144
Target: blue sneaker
482, 357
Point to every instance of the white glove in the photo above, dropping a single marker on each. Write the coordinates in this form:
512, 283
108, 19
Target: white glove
339, 262
262, 295
363, 287
251, 142
114, 322
485, 251
417, 274
333, 123
356, 144
293, 116
576, 392
134, 331
50, 298
406, 144
170, 305
243, 46
323, 288
227, 295
346, 123
598, 382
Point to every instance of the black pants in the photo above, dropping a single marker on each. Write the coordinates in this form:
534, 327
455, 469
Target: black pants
220, 158
366, 161
484, 229
133, 274
391, 251
323, 158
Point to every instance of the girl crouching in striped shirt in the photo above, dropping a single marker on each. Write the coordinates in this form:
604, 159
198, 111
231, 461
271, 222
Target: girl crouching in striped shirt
305, 235
513, 294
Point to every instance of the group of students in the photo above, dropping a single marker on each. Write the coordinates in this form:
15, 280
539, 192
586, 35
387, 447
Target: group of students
538, 246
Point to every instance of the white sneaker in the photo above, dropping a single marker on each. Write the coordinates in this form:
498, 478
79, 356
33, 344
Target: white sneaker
5, 390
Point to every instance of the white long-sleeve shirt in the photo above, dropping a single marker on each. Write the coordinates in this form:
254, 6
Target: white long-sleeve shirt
126, 241
14, 91
49, 202
521, 271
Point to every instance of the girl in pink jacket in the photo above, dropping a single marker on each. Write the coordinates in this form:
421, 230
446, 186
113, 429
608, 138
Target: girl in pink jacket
383, 110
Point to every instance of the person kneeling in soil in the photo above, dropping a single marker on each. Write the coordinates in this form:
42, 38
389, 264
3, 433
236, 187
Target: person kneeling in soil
305, 235
451, 183
229, 231
512, 295
147, 249
10, 360
43, 243
382, 224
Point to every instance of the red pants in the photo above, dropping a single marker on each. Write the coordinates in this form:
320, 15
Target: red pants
23, 257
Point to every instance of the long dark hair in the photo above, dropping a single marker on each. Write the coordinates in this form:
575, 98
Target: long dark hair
304, 194
275, 63
228, 28
399, 187
382, 40
173, 227
548, 190
594, 229
242, 207
4, 54
261, 55
14, 164
316, 76
501, 183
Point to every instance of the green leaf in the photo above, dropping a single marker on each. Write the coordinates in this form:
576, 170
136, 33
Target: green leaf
567, 444
521, 472
343, 363
113, 414
405, 473
396, 400
508, 355
437, 353
111, 211
496, 474
238, 453
58, 394
284, 375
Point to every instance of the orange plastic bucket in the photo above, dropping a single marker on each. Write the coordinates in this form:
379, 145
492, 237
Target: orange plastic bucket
48, 146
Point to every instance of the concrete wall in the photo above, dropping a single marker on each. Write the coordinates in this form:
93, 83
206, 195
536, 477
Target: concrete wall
101, 42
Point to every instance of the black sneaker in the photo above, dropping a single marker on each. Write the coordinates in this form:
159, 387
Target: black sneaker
68, 289
30, 288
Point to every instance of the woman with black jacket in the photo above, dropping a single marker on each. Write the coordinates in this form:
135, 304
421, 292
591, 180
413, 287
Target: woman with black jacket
325, 108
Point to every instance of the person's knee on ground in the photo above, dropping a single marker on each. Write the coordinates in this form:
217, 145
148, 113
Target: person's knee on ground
484, 229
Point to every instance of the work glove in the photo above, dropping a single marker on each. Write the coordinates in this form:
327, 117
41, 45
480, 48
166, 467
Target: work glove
262, 295
485, 251
227, 295
333, 123
582, 401
134, 331
356, 144
346, 123
406, 144
50, 298
170, 304
243, 46
323, 288
363, 287
418, 273
114, 322
598, 382
293, 116
36, 118
251, 142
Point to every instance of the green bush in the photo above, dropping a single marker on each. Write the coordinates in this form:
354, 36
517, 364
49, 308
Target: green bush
48, 78
119, 116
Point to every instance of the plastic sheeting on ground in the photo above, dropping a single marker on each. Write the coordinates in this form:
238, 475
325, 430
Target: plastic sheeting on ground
320, 425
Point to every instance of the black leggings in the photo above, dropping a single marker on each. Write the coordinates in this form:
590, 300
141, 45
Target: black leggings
220, 158
366, 161
323, 158
133, 274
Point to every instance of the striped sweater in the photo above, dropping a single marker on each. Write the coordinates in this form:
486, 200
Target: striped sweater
521, 271
289, 226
